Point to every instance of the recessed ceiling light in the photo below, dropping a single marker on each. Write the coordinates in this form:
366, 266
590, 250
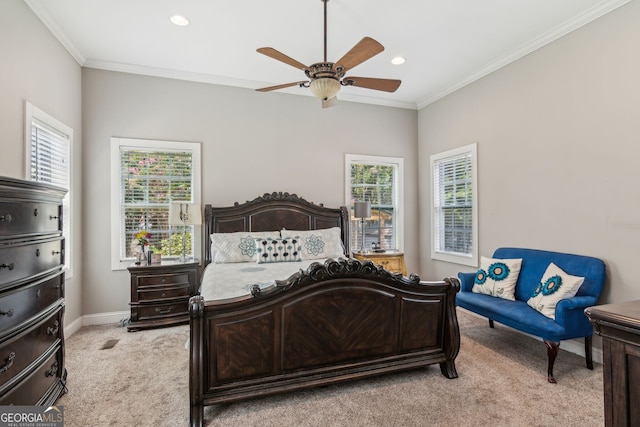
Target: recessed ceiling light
398, 60
179, 20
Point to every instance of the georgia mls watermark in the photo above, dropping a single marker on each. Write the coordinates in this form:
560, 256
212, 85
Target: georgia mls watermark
31, 416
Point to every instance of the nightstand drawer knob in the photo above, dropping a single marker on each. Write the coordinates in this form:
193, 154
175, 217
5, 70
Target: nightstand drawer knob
167, 311
164, 295
164, 280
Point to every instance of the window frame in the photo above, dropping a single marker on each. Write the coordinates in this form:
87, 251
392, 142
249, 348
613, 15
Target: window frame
116, 220
398, 163
33, 113
437, 253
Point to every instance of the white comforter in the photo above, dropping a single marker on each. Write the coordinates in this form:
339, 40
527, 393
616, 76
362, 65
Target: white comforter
221, 281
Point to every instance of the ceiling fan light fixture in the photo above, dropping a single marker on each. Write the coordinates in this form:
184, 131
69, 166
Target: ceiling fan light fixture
324, 87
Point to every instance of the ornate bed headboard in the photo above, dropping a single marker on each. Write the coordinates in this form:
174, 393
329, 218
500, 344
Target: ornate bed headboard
273, 212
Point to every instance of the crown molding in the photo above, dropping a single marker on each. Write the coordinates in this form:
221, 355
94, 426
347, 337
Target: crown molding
550, 36
43, 14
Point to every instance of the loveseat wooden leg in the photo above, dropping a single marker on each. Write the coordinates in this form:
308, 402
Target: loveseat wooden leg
491, 323
588, 354
552, 351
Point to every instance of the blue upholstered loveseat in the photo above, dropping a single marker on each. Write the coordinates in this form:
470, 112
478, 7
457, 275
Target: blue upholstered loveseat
570, 321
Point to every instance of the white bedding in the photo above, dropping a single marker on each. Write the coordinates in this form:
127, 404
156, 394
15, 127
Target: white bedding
229, 280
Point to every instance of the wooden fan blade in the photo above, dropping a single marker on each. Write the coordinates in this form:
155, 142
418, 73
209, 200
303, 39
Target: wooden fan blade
387, 85
270, 88
365, 49
272, 53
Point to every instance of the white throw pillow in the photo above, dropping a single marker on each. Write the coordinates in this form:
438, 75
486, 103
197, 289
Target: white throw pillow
497, 277
237, 247
317, 244
554, 286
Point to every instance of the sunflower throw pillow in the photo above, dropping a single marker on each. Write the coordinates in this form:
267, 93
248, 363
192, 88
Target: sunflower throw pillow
554, 286
497, 277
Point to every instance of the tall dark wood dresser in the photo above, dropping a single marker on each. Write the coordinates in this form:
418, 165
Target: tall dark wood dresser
619, 326
32, 370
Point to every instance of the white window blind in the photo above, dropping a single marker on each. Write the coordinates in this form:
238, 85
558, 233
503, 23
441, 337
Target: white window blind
377, 180
48, 148
146, 177
454, 214
49, 155
149, 181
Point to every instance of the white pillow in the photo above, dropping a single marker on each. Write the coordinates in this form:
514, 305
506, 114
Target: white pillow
237, 247
497, 277
554, 286
317, 244
277, 250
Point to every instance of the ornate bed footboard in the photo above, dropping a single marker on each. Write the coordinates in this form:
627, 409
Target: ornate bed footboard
341, 320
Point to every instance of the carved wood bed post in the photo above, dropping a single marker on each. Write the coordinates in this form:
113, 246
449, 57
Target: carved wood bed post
196, 338
452, 335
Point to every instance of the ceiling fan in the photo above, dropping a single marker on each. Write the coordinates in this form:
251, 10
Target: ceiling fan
326, 78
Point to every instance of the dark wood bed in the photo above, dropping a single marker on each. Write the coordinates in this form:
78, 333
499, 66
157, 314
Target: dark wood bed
340, 320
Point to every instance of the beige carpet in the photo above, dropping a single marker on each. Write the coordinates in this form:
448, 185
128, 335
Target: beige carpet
143, 381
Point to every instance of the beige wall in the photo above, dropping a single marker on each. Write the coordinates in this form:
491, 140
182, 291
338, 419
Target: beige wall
34, 67
252, 143
558, 136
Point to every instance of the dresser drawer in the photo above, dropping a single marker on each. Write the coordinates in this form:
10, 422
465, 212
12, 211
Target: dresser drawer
164, 279
18, 352
163, 293
38, 382
20, 218
19, 305
156, 311
27, 259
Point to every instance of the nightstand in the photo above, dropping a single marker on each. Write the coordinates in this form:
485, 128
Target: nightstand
392, 261
160, 293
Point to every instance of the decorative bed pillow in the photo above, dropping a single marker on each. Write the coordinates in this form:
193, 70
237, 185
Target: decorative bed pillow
497, 277
554, 286
317, 244
237, 247
278, 250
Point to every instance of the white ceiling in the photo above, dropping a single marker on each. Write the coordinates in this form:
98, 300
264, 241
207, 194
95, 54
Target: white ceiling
447, 43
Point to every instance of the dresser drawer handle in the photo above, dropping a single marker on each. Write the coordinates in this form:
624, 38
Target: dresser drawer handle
54, 253
52, 217
53, 370
8, 313
164, 295
5, 218
9, 363
164, 280
35, 212
9, 266
52, 330
167, 311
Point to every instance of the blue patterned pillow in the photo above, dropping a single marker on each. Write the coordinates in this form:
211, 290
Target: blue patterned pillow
278, 250
497, 277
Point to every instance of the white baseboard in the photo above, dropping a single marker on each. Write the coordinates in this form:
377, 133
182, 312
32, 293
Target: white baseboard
575, 346
95, 319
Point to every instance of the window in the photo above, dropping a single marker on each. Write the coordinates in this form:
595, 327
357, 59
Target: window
454, 213
378, 180
48, 152
146, 176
